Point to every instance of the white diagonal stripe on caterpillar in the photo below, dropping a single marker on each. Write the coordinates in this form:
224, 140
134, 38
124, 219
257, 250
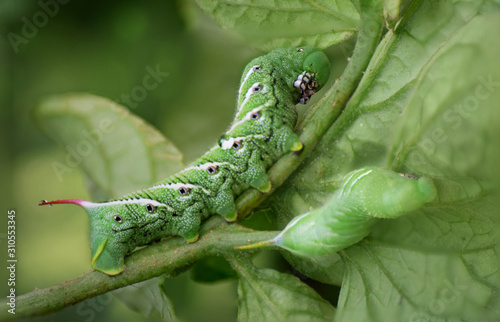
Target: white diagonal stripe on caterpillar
250, 72
248, 115
228, 144
249, 94
180, 185
141, 201
205, 166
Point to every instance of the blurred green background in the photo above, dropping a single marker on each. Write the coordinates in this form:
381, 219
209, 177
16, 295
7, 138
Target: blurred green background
106, 48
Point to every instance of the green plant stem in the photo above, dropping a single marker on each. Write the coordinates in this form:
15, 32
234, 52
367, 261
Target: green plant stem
169, 256
166, 257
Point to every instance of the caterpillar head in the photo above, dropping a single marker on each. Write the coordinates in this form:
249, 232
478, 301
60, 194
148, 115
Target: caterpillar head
116, 228
302, 70
312, 61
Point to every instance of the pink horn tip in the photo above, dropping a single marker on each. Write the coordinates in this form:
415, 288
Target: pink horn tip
78, 202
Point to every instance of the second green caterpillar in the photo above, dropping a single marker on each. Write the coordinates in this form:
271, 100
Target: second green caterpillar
261, 132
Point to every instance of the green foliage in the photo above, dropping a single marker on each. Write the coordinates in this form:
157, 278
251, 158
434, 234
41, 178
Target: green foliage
267, 295
269, 24
426, 104
147, 298
93, 130
212, 269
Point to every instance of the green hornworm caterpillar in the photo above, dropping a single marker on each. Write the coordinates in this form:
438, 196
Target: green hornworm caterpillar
365, 195
261, 132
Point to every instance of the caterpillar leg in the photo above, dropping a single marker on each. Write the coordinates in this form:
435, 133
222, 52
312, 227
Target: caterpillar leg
223, 202
187, 226
226, 207
191, 237
292, 143
256, 175
261, 183
229, 213
106, 256
285, 140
